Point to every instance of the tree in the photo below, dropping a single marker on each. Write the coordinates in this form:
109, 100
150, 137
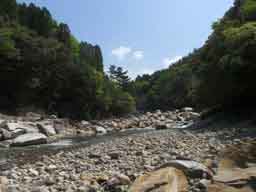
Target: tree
119, 76
8, 8
64, 34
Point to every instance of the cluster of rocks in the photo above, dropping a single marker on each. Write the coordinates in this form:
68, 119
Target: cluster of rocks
160, 120
33, 129
166, 160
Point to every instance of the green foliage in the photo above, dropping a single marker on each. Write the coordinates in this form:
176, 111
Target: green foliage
120, 77
75, 47
37, 19
8, 8
44, 66
7, 46
221, 73
238, 35
249, 10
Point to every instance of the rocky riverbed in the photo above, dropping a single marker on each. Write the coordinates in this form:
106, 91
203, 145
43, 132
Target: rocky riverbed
115, 164
220, 157
33, 129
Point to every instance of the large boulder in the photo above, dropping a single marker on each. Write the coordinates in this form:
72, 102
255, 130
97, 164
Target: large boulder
18, 132
191, 168
47, 128
162, 180
29, 139
5, 134
13, 126
31, 116
236, 176
3, 184
219, 187
28, 127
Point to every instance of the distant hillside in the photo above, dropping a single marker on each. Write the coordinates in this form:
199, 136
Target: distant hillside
43, 66
221, 73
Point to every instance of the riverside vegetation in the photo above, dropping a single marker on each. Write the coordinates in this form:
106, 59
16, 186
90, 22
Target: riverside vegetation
43, 66
54, 87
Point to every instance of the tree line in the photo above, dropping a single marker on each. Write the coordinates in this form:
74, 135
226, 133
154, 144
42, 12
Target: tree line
219, 74
43, 66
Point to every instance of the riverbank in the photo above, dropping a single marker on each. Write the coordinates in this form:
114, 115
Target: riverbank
36, 129
123, 159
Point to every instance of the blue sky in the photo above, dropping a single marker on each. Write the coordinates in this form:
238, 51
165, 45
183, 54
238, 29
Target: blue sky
142, 36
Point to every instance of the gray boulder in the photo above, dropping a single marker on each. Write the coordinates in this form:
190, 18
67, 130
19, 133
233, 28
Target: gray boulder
29, 139
46, 128
5, 134
18, 132
13, 126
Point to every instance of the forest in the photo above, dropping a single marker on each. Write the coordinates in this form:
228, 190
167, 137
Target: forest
221, 74
43, 66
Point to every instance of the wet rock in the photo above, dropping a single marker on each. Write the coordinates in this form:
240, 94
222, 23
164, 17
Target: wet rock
29, 139
162, 180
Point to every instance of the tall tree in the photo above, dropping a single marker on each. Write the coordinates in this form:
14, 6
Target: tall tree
8, 8
118, 75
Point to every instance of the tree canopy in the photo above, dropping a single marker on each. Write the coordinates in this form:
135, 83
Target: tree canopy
42, 65
221, 73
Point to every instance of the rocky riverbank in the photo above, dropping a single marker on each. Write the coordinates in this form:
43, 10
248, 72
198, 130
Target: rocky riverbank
196, 161
32, 128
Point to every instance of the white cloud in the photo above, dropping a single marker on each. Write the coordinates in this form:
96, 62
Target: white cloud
168, 61
121, 52
138, 55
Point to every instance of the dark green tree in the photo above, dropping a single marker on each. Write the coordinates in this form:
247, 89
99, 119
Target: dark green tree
120, 77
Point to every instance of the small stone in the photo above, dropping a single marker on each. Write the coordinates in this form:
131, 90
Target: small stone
33, 172
114, 155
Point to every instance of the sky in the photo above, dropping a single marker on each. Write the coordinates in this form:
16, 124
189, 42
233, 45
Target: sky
141, 36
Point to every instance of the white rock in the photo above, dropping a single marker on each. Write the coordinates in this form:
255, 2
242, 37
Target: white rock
46, 128
187, 109
100, 130
29, 139
14, 126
